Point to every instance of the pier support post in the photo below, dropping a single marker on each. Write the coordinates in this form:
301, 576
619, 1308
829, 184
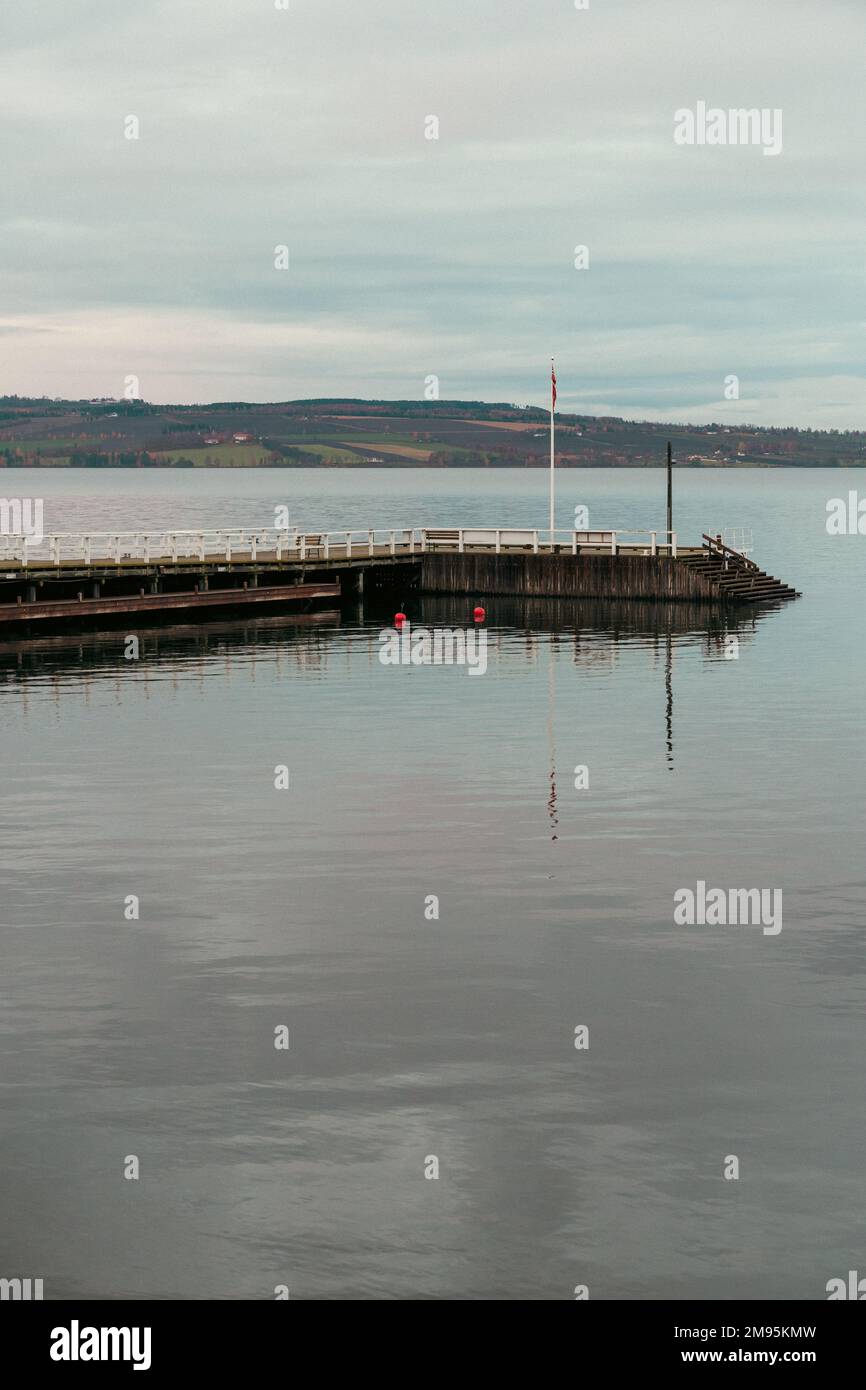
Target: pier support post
31, 593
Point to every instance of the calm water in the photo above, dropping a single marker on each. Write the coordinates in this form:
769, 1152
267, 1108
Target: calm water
455, 1038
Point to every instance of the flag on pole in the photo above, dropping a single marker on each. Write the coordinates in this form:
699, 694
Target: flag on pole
552, 458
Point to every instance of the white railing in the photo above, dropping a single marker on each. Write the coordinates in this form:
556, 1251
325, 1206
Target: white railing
238, 545
183, 547
501, 538
739, 538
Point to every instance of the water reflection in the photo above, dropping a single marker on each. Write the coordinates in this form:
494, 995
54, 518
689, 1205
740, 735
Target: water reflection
587, 635
408, 1038
669, 699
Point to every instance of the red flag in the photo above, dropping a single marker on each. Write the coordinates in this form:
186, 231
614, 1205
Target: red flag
552, 387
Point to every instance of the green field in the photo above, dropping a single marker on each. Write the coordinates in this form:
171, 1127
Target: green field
327, 451
33, 446
46, 461
218, 455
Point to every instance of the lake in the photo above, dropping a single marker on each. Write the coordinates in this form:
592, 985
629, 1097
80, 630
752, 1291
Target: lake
428, 912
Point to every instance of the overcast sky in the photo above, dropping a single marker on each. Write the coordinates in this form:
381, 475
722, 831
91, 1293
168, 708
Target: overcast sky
261, 127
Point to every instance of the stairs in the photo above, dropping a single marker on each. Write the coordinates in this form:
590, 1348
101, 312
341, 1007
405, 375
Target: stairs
733, 576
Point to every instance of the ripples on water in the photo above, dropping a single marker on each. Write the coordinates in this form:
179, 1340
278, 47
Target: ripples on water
453, 1037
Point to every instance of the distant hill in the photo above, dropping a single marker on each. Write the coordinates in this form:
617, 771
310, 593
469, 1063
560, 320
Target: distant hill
385, 434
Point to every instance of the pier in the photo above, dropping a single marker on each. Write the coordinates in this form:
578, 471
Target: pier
69, 578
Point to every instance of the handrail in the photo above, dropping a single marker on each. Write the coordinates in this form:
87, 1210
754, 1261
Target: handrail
168, 546
542, 539
715, 543
260, 544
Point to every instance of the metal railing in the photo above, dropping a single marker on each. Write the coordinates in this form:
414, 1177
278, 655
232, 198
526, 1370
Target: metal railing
539, 540
716, 546
739, 538
183, 547
244, 545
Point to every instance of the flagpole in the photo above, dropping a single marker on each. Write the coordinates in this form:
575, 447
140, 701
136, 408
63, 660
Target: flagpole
552, 380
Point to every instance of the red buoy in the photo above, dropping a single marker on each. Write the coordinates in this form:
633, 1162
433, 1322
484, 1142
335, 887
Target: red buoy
399, 619
478, 614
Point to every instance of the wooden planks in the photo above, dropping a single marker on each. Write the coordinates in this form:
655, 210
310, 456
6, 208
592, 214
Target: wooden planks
627, 576
73, 610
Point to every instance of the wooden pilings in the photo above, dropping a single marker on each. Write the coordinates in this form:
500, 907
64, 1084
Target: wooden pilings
623, 576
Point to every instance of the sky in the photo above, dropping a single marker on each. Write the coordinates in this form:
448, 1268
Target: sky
409, 257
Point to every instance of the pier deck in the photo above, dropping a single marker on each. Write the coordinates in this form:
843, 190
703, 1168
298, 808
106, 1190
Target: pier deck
66, 577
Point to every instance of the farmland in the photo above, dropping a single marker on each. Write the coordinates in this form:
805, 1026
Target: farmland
385, 434
216, 456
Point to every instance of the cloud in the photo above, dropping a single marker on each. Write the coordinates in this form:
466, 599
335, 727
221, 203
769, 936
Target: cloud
262, 127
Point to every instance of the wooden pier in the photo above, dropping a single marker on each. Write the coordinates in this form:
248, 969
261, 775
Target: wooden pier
68, 578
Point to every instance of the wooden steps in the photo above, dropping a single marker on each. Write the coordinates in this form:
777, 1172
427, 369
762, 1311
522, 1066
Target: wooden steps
733, 576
